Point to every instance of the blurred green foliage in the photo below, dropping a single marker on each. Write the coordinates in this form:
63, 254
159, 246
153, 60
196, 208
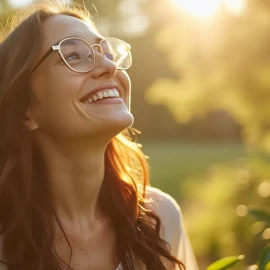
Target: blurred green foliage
225, 263
264, 261
215, 184
222, 64
174, 163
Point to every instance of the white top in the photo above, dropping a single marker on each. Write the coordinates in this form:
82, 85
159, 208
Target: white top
174, 231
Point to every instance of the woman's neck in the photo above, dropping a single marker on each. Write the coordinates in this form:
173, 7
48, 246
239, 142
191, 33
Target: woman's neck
75, 172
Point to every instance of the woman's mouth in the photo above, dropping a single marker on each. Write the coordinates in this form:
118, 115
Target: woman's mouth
103, 96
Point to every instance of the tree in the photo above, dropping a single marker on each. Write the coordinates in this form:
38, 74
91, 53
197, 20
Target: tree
222, 64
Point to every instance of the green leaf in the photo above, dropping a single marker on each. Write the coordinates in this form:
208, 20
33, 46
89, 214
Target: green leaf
225, 262
265, 259
267, 267
260, 215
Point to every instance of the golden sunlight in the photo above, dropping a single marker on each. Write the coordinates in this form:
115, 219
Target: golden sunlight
235, 6
208, 8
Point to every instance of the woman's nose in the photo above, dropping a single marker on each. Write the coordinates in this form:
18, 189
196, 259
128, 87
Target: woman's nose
103, 66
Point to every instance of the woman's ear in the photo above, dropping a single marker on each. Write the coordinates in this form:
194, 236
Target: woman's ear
29, 121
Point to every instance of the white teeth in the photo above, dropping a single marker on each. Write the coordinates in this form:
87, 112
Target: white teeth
100, 95
116, 92
111, 93
103, 94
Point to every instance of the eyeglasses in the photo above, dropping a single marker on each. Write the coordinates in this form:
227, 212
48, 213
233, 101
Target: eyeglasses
80, 56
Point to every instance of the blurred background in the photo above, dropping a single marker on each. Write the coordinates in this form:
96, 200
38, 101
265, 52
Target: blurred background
201, 97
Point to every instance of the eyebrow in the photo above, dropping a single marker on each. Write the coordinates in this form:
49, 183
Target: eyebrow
96, 40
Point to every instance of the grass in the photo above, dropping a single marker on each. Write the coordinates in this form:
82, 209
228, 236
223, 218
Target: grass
173, 162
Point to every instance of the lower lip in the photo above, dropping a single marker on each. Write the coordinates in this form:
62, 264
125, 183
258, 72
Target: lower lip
108, 101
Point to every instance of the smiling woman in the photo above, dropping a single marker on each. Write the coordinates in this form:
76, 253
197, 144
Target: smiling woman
74, 187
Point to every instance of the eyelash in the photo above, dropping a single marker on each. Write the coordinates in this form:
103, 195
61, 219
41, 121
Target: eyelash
72, 54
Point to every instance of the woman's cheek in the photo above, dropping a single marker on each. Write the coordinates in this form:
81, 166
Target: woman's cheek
126, 85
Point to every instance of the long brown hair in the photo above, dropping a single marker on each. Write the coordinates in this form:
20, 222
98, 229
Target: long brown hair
26, 213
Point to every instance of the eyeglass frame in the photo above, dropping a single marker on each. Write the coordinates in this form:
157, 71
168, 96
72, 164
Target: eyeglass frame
57, 47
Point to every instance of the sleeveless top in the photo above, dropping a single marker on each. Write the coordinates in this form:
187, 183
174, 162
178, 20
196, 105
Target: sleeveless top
173, 229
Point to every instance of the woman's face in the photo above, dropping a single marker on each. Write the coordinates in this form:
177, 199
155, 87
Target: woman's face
56, 90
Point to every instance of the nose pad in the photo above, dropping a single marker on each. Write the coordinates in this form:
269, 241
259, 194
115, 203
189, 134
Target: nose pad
99, 49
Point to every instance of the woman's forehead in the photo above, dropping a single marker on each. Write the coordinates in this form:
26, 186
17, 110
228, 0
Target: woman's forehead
62, 26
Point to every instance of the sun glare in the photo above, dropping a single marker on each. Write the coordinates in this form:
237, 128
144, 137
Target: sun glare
19, 3
235, 6
23, 3
205, 9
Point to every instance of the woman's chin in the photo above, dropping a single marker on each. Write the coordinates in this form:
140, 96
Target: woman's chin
124, 120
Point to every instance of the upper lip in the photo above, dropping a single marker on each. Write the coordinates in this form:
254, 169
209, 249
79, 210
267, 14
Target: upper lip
99, 88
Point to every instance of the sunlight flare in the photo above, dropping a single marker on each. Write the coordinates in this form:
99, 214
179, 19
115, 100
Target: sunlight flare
200, 9
235, 6
208, 8
19, 3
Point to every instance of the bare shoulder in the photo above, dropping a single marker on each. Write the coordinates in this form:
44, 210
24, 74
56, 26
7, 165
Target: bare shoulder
169, 212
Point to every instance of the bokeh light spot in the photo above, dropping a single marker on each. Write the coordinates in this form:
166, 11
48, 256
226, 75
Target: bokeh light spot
264, 189
266, 234
253, 267
258, 227
241, 210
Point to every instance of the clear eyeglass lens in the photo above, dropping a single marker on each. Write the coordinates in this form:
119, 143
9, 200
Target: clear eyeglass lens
118, 52
78, 54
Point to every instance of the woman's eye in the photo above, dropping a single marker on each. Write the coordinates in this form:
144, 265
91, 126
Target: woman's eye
109, 56
73, 56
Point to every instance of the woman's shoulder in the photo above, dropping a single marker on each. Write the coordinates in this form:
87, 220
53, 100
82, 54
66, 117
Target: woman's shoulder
163, 204
169, 212
160, 201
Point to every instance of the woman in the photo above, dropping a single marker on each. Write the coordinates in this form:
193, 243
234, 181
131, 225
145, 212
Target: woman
73, 184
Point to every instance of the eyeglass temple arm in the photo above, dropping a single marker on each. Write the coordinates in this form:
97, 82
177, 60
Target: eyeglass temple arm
43, 58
